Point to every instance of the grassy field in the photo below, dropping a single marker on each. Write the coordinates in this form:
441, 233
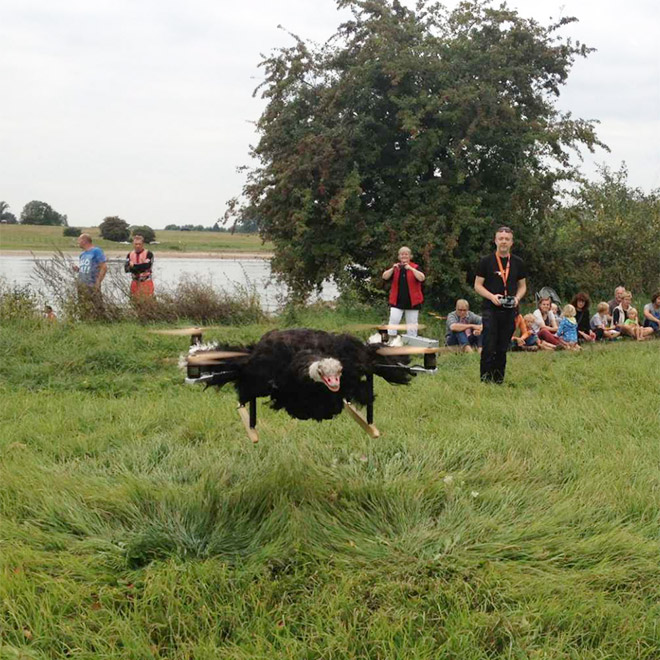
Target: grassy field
137, 521
39, 238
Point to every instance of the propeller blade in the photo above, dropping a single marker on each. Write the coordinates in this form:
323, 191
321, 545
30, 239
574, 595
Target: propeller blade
406, 350
437, 316
182, 332
398, 326
214, 356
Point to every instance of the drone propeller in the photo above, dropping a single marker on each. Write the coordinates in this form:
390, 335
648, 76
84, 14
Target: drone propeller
437, 316
213, 357
182, 332
406, 350
395, 326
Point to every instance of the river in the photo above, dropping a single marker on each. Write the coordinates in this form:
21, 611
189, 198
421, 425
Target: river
225, 274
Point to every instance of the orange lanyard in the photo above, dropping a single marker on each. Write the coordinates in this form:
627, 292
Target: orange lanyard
504, 274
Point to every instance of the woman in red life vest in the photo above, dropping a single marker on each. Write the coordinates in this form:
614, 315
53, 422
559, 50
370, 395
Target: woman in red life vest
406, 291
139, 263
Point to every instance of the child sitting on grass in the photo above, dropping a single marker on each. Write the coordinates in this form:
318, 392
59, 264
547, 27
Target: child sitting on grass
633, 322
533, 339
601, 323
527, 340
567, 330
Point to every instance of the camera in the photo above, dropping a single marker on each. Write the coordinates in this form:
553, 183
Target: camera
508, 302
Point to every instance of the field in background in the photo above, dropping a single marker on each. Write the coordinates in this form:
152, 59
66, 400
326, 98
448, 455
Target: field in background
39, 238
137, 520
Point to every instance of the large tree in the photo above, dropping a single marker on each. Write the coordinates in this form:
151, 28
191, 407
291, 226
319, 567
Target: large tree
145, 231
113, 228
6, 216
423, 127
40, 213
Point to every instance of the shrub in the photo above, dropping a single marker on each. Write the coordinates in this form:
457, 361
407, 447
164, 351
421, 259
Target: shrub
17, 302
190, 300
71, 231
146, 232
115, 229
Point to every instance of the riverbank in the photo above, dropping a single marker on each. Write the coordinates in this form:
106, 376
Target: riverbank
36, 238
120, 254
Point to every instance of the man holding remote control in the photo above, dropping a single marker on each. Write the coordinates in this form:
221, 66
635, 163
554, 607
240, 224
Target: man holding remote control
500, 281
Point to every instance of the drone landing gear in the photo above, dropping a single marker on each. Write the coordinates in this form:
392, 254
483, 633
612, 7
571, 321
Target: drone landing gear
250, 419
249, 416
368, 423
368, 426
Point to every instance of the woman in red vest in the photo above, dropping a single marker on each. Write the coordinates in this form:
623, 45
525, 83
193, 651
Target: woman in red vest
406, 292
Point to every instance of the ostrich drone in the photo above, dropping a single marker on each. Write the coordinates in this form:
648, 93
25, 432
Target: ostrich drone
311, 374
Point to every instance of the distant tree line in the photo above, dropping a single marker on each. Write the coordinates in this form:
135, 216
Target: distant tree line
241, 227
33, 213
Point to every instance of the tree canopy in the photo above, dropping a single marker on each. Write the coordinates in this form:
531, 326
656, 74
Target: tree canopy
145, 231
609, 236
421, 127
6, 216
40, 213
113, 228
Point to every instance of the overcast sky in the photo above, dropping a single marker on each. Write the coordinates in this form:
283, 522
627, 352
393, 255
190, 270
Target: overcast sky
143, 108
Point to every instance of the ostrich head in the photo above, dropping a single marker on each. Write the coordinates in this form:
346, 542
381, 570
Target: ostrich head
326, 371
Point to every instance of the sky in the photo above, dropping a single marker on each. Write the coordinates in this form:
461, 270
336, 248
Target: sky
145, 108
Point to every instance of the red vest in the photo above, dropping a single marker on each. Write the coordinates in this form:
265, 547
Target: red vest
139, 258
414, 287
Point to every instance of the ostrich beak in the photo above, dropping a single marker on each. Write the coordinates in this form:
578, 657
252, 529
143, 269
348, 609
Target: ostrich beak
332, 383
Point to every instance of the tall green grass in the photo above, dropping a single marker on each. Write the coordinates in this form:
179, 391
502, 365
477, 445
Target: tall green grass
137, 520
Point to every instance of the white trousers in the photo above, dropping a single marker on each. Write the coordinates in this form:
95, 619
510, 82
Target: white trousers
412, 316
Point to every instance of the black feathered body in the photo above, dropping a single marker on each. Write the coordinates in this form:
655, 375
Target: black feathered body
278, 367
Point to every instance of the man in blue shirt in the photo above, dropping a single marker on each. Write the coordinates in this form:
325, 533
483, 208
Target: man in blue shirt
93, 267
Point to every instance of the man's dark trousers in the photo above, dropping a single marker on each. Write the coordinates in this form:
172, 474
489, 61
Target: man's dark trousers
498, 326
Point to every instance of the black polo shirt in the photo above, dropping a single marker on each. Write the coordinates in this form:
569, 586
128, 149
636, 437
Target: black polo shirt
489, 270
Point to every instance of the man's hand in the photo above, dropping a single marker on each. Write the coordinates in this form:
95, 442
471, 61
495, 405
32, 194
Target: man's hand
477, 330
497, 299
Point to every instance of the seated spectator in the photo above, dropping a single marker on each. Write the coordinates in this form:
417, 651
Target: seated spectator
545, 323
620, 316
464, 328
632, 321
523, 338
49, 314
652, 313
601, 323
618, 297
554, 308
533, 339
568, 328
581, 302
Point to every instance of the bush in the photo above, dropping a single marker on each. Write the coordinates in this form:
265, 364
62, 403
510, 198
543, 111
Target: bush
190, 300
609, 236
146, 232
71, 231
17, 302
115, 229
